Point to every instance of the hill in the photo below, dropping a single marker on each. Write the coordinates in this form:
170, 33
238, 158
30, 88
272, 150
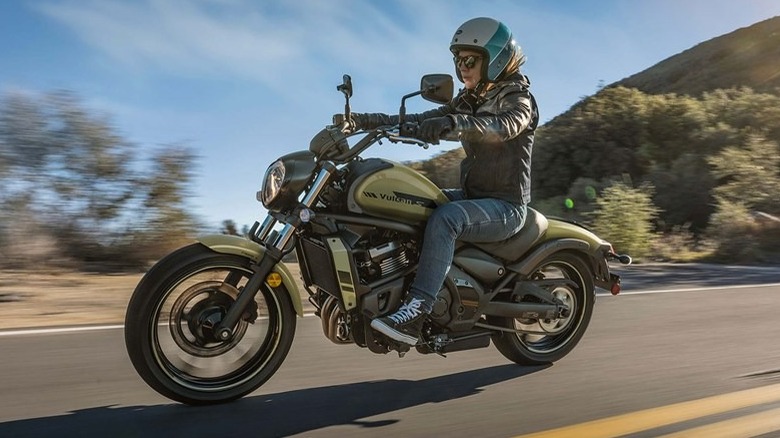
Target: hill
747, 57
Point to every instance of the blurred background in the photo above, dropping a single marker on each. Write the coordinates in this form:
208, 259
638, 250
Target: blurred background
128, 127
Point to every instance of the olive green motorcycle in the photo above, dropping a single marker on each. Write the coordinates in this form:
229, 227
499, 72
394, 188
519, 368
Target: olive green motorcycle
213, 321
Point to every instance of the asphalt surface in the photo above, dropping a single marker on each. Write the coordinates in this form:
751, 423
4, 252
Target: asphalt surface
665, 276
680, 334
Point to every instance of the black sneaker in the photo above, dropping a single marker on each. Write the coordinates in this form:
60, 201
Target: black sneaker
405, 324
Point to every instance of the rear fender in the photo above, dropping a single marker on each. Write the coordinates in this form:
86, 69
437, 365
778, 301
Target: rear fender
243, 247
566, 236
527, 264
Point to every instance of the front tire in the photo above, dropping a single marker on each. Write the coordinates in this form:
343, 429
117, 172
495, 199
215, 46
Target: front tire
170, 320
553, 339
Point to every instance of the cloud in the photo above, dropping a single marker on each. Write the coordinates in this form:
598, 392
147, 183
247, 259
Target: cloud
266, 42
179, 36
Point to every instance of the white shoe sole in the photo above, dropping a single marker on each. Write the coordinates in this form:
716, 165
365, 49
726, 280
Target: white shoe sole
391, 333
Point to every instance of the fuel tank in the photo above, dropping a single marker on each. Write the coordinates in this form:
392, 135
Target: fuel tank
391, 190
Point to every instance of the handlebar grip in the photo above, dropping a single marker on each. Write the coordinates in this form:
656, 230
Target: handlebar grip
408, 129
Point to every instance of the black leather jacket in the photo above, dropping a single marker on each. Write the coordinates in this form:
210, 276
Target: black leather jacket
497, 134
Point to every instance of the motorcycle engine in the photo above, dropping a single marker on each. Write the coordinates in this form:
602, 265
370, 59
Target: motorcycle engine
380, 260
377, 255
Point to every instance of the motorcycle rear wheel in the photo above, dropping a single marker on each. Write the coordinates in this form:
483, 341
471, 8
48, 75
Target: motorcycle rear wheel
170, 320
559, 336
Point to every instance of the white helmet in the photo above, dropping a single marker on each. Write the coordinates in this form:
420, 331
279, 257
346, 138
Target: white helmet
493, 40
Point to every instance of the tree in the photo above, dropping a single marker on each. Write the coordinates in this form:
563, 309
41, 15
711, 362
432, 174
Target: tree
744, 108
167, 220
65, 167
624, 217
599, 138
750, 175
71, 177
229, 227
683, 191
25, 148
90, 166
734, 230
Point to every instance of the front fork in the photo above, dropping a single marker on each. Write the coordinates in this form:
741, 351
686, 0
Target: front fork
276, 245
260, 271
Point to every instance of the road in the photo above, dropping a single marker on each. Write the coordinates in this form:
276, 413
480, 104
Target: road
684, 349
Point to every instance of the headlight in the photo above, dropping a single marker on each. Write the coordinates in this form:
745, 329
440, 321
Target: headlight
285, 180
273, 182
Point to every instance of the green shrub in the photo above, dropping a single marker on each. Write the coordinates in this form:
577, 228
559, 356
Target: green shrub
624, 216
742, 236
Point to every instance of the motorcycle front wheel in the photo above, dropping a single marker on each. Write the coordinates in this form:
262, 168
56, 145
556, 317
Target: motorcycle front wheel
172, 316
547, 341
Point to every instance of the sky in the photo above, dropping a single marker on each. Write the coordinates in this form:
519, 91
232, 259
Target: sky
243, 82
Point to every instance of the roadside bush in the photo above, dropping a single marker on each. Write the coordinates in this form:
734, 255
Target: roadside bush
743, 236
682, 245
624, 216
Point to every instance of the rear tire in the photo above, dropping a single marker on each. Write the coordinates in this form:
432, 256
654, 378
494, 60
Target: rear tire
169, 322
560, 336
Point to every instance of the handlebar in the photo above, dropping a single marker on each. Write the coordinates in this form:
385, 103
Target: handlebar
337, 149
395, 133
405, 133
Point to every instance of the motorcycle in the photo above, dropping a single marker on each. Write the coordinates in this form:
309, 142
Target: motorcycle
212, 321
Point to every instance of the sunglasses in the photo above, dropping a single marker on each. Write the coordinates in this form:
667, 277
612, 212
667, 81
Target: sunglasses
468, 61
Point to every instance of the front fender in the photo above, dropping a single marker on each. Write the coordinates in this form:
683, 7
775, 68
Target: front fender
244, 247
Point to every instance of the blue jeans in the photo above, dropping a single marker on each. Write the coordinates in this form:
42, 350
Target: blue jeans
467, 220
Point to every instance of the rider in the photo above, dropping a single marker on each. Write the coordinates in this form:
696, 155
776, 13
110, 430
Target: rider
494, 116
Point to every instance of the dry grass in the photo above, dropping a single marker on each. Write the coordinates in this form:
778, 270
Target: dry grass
45, 299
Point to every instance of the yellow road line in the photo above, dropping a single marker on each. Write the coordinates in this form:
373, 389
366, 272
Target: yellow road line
665, 415
747, 426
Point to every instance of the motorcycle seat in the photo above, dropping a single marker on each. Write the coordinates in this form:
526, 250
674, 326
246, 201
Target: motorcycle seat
514, 247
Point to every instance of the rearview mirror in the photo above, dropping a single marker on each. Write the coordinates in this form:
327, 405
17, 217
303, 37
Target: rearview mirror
437, 88
346, 86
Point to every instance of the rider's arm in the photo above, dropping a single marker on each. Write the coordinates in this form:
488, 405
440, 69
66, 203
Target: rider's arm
373, 120
507, 117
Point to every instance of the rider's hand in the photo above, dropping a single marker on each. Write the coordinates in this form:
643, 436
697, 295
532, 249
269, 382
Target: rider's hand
432, 129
